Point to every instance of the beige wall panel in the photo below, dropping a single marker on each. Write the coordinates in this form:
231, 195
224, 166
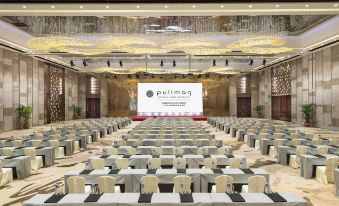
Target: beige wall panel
16, 90
41, 94
23, 80
319, 97
335, 85
67, 95
103, 97
1, 90
82, 93
327, 87
8, 88
294, 106
254, 92
233, 97
30, 82
305, 77
35, 95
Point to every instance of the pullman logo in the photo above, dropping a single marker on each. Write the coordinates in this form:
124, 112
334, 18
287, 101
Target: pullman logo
149, 93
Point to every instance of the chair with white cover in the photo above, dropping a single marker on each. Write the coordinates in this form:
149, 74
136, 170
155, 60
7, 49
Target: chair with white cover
121, 163
179, 163
221, 183
154, 163
17, 143
321, 150
182, 184
234, 163
106, 184
136, 142
273, 152
112, 151
157, 151
325, 174
201, 151
76, 185
295, 159
120, 143
296, 142
131, 151
97, 164
76, 143
36, 161
295, 135
223, 150
2, 143
256, 184
59, 151
7, 152
179, 151
6, 175
317, 141
36, 143
257, 142
213, 142
151, 184
210, 163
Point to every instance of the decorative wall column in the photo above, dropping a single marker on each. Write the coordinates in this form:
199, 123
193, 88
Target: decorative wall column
103, 97
233, 96
265, 91
254, 92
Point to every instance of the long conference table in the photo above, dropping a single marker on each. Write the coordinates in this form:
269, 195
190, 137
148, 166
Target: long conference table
21, 165
201, 178
169, 199
192, 160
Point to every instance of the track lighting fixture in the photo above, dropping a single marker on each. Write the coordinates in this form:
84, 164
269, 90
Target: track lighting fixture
226, 62
251, 62
84, 63
214, 63
174, 63
161, 63
121, 64
264, 62
71, 63
108, 63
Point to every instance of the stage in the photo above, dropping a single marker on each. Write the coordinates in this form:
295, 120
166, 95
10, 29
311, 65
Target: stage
195, 118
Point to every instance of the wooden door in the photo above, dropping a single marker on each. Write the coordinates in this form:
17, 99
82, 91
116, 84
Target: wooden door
244, 106
93, 107
281, 108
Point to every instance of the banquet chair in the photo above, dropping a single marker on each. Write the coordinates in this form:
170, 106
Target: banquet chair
277, 135
179, 151
296, 142
210, 163
221, 183
151, 184
334, 142
39, 136
36, 143
295, 135
76, 143
59, 151
309, 135
97, 164
88, 137
6, 175
157, 151
36, 161
223, 150
136, 142
321, 150
106, 184
112, 151
234, 163
121, 163
76, 185
7, 152
2, 143
213, 142
131, 151
179, 163
183, 180
17, 143
154, 163
256, 184
316, 141
120, 143
273, 152
202, 151
325, 174
295, 159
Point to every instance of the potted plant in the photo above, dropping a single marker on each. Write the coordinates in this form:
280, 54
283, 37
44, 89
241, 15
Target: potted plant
307, 111
77, 111
259, 109
25, 113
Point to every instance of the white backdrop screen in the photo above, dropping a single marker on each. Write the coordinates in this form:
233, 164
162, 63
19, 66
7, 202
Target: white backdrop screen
170, 99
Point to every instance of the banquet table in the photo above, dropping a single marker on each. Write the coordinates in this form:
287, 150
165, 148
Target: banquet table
193, 161
169, 199
21, 165
171, 149
47, 153
130, 178
172, 142
336, 181
168, 136
309, 162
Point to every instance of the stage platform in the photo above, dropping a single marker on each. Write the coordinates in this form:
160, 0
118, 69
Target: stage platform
196, 118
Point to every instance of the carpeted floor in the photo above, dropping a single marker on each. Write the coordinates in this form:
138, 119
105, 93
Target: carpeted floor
282, 178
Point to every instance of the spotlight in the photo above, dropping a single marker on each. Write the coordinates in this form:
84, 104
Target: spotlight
121, 64
84, 63
174, 63
214, 63
226, 62
108, 63
161, 63
71, 63
264, 62
160, 76
251, 62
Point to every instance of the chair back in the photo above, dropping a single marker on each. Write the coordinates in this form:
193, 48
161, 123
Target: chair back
30, 152
0, 168
154, 163
223, 150
112, 151
234, 163
213, 142
179, 151
54, 143
296, 142
106, 184
210, 163
294, 135
7, 152
183, 180
201, 151
221, 183
256, 184
321, 150
36, 143
120, 143
301, 150
131, 151
97, 163
316, 141
150, 183
76, 185
17, 143
331, 164
179, 163
121, 163
157, 151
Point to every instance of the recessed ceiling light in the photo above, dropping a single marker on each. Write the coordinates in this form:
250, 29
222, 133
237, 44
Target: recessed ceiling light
53, 7
194, 6
307, 5
165, 6
24, 6
277, 6
335, 5
81, 6
107, 7
250, 6
222, 6
138, 7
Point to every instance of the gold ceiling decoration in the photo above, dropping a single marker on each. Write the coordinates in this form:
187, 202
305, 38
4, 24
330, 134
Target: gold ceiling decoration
119, 42
206, 51
267, 50
139, 50
106, 70
84, 51
218, 69
55, 42
190, 43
